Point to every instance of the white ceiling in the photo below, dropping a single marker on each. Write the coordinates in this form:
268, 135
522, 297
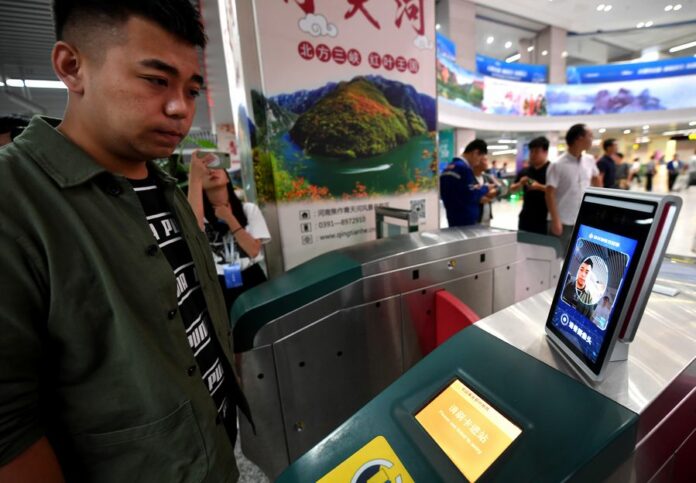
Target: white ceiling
615, 30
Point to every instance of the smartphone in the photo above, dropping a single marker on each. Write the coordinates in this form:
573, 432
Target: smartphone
221, 161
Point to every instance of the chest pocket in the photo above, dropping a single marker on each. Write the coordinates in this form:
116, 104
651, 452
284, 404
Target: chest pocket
169, 449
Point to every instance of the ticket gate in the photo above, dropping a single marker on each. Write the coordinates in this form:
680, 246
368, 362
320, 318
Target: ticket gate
317, 343
495, 403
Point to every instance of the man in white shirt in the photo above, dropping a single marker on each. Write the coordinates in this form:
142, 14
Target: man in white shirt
566, 181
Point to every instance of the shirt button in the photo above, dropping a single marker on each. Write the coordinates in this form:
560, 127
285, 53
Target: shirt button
171, 314
151, 250
114, 190
191, 370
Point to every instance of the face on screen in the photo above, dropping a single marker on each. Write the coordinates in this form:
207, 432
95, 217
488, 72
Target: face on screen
592, 283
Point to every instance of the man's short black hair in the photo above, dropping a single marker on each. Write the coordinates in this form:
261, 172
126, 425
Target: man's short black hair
540, 142
477, 145
13, 125
178, 17
608, 143
574, 133
588, 261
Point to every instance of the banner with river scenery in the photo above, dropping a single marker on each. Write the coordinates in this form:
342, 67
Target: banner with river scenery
346, 120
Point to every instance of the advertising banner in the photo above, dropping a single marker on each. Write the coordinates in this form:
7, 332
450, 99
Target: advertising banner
458, 85
592, 74
347, 117
514, 98
446, 48
499, 69
622, 97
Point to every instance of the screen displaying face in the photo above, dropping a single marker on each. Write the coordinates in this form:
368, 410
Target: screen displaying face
592, 283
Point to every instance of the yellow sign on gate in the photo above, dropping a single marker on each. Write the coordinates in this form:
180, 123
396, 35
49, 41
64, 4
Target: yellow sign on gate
376, 462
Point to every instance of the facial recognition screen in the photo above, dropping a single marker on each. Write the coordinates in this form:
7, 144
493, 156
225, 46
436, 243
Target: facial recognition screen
595, 275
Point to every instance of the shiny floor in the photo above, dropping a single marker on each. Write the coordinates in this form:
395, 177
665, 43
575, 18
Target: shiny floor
683, 241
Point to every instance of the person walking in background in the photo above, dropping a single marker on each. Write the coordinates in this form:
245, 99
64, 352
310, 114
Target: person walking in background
236, 231
461, 193
606, 164
674, 169
532, 180
650, 169
566, 180
634, 173
622, 172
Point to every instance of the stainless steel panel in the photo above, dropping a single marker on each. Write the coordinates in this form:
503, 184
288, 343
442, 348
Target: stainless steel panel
330, 369
532, 277
474, 290
664, 345
267, 448
455, 260
504, 285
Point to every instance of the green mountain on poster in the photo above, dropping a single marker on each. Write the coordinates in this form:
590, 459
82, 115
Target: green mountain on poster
355, 120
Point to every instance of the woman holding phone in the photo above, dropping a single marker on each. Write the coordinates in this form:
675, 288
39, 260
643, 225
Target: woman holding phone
236, 231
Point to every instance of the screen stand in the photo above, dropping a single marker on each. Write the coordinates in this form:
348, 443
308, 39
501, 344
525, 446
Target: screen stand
620, 352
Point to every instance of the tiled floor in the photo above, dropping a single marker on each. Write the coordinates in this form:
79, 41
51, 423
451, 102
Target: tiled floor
505, 215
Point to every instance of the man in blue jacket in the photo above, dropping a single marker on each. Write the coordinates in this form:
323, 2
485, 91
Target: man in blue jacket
461, 193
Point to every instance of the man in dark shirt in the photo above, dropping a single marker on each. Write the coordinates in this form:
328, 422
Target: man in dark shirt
606, 164
532, 180
115, 355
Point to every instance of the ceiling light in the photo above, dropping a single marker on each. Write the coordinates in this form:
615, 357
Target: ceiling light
649, 23
437, 26
15, 82
507, 141
602, 131
692, 123
646, 127
627, 131
490, 40
507, 151
608, 8
498, 147
640, 25
668, 8
544, 53
600, 7
513, 58
677, 48
45, 84
564, 54
677, 7
508, 44
530, 48
2, 84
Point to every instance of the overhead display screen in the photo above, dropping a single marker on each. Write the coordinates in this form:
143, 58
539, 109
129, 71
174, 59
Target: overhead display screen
468, 430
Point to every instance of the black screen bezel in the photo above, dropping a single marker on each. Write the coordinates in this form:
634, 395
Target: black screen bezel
612, 219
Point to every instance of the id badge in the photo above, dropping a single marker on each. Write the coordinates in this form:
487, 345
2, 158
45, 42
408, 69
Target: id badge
233, 275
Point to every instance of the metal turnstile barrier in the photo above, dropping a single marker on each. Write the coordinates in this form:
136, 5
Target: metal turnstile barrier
319, 342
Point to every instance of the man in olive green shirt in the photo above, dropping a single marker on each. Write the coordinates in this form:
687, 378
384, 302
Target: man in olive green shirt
105, 374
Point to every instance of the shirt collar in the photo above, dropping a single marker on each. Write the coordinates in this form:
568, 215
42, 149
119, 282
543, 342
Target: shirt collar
65, 162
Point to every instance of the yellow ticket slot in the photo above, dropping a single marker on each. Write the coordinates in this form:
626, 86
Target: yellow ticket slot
470, 432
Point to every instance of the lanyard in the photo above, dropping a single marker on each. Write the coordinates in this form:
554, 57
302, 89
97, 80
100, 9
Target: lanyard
230, 253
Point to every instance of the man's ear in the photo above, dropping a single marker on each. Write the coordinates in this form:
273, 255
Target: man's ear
68, 63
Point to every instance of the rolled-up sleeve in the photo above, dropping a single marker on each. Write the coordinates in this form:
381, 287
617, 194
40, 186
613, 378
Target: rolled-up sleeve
22, 315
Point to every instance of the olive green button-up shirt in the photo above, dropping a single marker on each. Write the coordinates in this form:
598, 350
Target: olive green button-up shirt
93, 353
